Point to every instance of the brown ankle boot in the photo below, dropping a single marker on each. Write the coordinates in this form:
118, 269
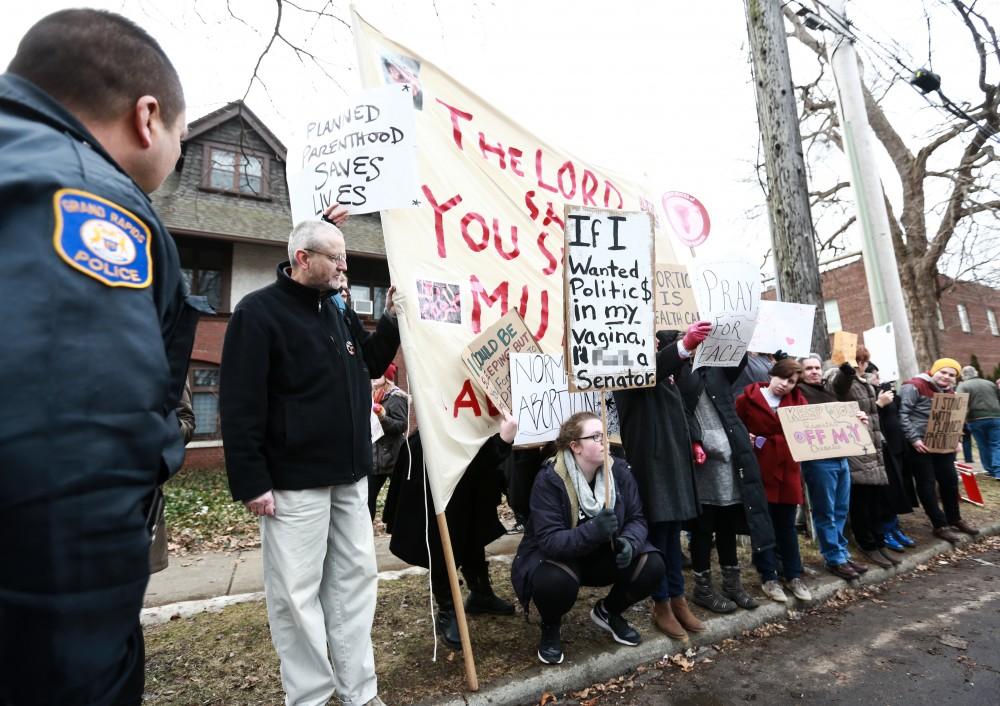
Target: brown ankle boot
663, 618
684, 615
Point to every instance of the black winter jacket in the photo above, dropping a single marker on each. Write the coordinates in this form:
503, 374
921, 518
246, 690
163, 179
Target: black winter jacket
95, 350
295, 390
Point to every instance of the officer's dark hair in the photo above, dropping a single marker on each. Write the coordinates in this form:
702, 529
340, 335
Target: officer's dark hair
98, 64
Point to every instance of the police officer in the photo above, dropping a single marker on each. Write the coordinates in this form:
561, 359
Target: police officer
97, 335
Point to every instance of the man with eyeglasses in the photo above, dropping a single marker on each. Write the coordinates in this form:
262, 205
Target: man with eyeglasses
295, 397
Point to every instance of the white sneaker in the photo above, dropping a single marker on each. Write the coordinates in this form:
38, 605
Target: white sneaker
773, 590
800, 590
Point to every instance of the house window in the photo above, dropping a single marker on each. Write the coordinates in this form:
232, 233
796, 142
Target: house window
832, 310
368, 300
205, 401
940, 318
963, 318
992, 318
236, 170
205, 266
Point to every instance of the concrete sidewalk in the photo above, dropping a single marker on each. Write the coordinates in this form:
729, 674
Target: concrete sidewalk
216, 575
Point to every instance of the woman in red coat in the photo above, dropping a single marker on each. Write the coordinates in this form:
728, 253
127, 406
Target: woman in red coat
782, 477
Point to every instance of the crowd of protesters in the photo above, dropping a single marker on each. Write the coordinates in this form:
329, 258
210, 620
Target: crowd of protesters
303, 384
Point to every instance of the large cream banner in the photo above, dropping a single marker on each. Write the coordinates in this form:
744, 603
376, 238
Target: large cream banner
485, 237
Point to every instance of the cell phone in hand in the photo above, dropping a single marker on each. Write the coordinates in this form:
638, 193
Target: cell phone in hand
885, 387
759, 441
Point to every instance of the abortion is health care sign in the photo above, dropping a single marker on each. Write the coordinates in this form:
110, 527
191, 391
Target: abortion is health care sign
361, 155
610, 343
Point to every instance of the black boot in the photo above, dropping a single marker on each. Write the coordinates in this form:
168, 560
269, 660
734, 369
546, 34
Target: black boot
447, 627
482, 600
705, 595
732, 588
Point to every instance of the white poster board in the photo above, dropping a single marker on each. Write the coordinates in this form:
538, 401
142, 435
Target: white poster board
608, 267
728, 296
783, 326
881, 344
541, 399
361, 155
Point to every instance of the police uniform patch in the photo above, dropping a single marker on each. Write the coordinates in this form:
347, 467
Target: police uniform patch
101, 239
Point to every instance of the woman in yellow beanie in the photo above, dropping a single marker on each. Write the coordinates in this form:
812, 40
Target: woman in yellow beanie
930, 468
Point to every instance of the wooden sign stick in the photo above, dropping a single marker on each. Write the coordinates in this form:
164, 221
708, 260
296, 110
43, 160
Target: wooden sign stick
456, 595
608, 479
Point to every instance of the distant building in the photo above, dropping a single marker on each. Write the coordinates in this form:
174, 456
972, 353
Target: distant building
967, 314
226, 204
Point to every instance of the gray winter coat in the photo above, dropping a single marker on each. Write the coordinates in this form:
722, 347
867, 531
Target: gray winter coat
869, 469
915, 398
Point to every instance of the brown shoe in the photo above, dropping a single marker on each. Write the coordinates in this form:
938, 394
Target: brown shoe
684, 615
947, 534
858, 568
663, 618
963, 526
874, 557
844, 571
883, 552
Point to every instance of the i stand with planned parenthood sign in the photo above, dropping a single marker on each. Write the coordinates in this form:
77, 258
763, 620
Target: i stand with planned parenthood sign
610, 341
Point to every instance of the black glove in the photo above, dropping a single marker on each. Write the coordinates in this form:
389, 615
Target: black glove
623, 555
779, 355
847, 369
606, 524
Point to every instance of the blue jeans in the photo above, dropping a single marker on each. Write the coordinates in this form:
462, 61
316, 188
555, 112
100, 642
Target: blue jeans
787, 541
986, 432
829, 483
666, 537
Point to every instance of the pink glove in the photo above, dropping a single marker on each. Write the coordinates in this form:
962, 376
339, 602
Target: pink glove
698, 452
377, 409
696, 333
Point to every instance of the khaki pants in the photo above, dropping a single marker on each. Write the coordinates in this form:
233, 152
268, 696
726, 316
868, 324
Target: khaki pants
320, 580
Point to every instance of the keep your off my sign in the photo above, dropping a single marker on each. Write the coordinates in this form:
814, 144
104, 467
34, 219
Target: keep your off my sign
609, 299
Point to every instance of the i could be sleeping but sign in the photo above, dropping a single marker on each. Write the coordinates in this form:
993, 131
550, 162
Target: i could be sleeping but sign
608, 268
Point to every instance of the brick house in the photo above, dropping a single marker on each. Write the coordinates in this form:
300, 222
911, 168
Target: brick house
226, 205
967, 315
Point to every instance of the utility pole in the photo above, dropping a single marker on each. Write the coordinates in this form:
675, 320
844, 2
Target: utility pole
796, 264
881, 270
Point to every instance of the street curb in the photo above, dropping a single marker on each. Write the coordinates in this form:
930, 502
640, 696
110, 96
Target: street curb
571, 676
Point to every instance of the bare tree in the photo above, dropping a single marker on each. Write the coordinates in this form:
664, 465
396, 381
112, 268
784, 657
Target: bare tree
947, 218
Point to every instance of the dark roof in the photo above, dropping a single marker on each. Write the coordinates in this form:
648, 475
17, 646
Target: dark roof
232, 110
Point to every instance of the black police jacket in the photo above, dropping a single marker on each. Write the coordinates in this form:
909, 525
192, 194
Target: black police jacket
96, 341
295, 390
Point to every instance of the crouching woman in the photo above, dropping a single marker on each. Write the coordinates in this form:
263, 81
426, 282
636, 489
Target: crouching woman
572, 540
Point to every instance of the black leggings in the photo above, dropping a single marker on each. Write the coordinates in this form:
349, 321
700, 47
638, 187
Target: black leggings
722, 522
555, 585
868, 515
375, 484
475, 570
939, 469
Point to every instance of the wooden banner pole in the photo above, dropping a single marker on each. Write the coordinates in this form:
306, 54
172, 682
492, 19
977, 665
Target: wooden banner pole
456, 595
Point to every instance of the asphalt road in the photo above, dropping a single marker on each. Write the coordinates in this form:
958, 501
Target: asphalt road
930, 637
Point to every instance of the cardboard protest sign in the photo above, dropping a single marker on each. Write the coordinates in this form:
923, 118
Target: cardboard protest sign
845, 347
541, 399
728, 296
610, 343
783, 326
830, 430
361, 156
881, 344
674, 297
488, 356
944, 428
488, 230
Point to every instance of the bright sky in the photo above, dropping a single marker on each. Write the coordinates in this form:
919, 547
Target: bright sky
655, 88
